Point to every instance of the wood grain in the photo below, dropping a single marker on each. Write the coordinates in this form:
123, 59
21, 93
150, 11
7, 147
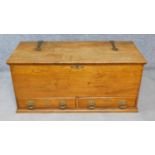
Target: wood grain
76, 52
105, 102
76, 72
131, 109
53, 103
33, 81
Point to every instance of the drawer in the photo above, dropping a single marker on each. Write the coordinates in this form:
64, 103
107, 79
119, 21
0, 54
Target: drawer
54, 103
97, 103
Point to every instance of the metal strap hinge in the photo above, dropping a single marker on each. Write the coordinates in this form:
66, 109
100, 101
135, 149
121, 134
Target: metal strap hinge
39, 44
114, 48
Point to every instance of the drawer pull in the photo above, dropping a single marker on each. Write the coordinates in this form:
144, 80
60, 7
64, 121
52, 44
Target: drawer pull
62, 104
91, 104
123, 104
30, 105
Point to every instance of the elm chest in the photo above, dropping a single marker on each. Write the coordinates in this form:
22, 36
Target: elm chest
76, 76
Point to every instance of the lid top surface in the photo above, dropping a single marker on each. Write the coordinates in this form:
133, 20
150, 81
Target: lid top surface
97, 52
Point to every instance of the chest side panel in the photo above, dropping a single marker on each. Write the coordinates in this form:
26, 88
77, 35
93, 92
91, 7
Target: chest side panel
43, 81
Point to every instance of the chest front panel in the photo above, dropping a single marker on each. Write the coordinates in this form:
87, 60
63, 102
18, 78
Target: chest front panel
71, 80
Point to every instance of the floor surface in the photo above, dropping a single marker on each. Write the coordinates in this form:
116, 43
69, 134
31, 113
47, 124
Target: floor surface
146, 105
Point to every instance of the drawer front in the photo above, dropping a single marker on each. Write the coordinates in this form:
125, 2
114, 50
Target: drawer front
55, 103
99, 103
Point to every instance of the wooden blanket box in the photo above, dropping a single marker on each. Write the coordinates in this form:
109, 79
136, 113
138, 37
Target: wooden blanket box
72, 76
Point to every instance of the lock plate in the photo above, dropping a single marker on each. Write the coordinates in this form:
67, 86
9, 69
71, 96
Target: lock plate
77, 66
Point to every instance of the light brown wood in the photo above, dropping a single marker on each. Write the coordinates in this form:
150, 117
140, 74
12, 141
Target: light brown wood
76, 72
32, 81
54, 103
132, 109
105, 102
83, 102
76, 52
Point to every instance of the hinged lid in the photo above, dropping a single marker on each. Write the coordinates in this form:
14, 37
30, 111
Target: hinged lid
76, 52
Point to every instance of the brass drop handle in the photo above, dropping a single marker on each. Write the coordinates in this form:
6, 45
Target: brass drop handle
123, 104
91, 104
30, 105
62, 104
